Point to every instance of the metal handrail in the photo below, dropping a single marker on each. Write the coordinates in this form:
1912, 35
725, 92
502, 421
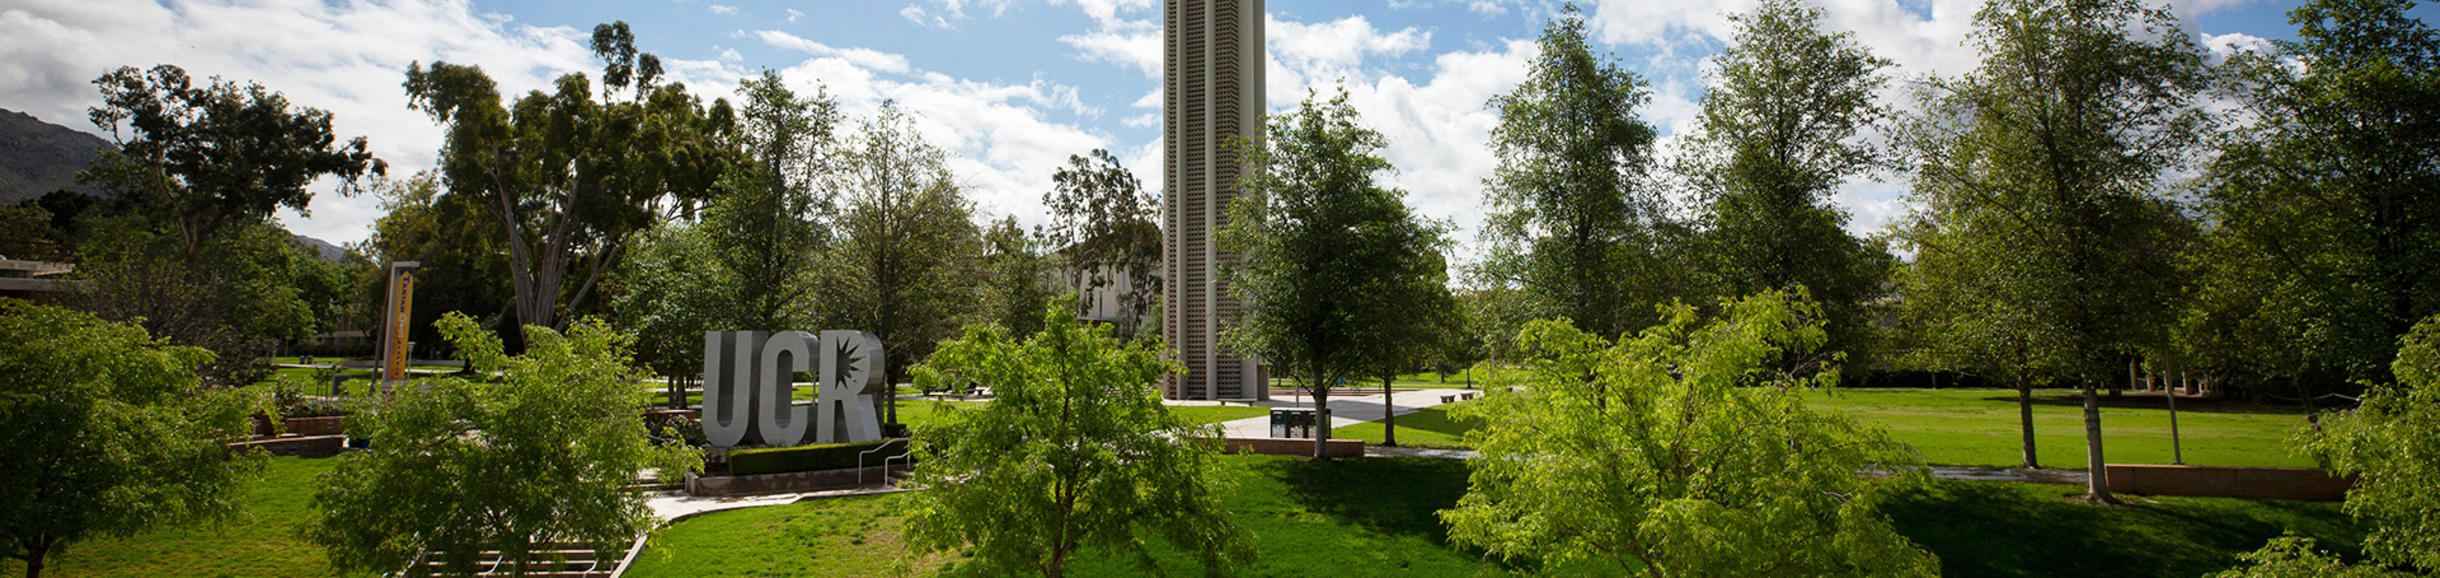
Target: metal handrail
905, 456
885, 461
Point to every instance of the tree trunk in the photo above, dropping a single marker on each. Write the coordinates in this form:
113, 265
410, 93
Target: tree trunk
2097, 483
2024, 414
1389, 415
889, 373
2117, 388
1321, 421
40, 551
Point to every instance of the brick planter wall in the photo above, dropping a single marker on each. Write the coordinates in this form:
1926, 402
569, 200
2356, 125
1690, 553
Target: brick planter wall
2229, 482
323, 445
304, 426
317, 426
726, 486
1337, 448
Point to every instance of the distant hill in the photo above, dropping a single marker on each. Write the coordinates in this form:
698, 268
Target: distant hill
325, 249
37, 157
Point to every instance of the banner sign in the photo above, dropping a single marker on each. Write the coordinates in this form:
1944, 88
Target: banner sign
395, 320
748, 387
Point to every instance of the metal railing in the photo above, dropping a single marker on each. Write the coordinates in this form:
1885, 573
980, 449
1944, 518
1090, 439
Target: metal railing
885, 460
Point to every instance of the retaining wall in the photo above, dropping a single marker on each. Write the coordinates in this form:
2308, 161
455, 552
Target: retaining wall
1337, 448
322, 445
790, 482
2229, 482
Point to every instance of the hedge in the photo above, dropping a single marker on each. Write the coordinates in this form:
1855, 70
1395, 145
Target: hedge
805, 458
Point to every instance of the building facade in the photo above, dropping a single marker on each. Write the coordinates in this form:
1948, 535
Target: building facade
1212, 89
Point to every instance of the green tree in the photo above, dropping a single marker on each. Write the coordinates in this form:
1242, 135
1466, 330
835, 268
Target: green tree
1102, 228
2293, 556
567, 177
1426, 326
540, 451
204, 159
669, 291
1685, 450
1572, 221
1015, 268
246, 291
463, 268
2392, 444
1075, 451
2042, 235
750, 262
1781, 130
1329, 260
107, 432
770, 222
909, 258
2321, 251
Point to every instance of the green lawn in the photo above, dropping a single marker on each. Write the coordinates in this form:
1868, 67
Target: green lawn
1346, 517
1431, 427
2010, 529
1375, 516
261, 541
1979, 427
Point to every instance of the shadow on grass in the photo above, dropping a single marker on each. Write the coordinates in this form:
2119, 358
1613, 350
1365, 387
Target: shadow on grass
1387, 495
2001, 529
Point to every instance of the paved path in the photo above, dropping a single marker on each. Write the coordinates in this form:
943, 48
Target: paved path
1345, 410
673, 505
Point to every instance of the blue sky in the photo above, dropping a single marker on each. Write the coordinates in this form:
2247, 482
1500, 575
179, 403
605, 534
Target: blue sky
1010, 87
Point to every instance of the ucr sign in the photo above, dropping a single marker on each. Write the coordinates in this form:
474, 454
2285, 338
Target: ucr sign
748, 382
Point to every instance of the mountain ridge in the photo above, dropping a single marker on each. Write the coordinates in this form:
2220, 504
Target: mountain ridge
38, 157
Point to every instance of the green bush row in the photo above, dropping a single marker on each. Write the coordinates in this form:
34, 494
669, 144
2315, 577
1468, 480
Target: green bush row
805, 458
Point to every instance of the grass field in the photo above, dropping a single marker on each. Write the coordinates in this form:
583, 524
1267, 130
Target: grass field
1979, 427
1355, 516
1347, 517
1376, 516
263, 540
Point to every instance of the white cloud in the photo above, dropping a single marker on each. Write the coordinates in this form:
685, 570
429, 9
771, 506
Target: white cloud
1003, 146
723, 10
794, 14
1439, 130
917, 15
1132, 44
2223, 46
865, 57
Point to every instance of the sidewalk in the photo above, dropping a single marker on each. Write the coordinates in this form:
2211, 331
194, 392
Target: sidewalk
1350, 409
674, 505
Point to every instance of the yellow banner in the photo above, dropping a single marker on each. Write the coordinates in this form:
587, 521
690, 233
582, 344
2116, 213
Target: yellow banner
402, 306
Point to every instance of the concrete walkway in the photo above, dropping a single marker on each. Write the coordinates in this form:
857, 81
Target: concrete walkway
1345, 410
674, 505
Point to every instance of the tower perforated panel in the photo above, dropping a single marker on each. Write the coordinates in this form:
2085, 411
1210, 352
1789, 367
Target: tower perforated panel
1212, 88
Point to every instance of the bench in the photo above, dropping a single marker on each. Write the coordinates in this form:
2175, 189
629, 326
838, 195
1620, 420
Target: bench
1448, 399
